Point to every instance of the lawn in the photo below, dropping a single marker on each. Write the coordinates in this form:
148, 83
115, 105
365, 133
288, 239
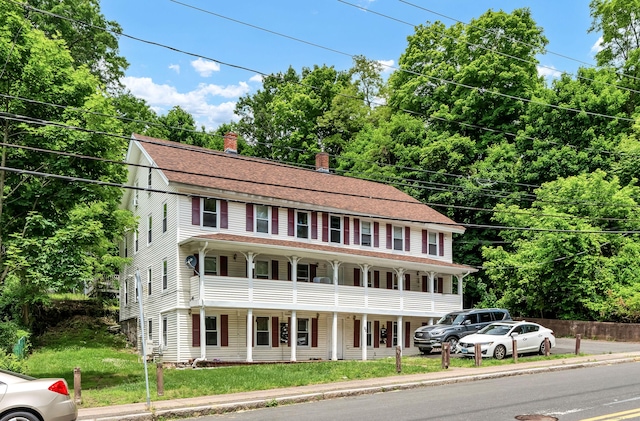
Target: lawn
113, 374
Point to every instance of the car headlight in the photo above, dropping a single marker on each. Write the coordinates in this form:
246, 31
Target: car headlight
436, 332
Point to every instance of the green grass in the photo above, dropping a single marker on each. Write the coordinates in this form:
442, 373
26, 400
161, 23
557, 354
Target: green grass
112, 374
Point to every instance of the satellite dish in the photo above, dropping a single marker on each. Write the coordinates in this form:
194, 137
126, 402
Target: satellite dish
191, 261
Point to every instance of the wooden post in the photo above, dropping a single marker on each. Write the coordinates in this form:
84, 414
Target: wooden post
446, 354
514, 347
547, 347
478, 354
77, 386
398, 359
159, 379
578, 343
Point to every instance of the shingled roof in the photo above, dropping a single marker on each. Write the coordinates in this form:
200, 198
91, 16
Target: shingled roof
191, 165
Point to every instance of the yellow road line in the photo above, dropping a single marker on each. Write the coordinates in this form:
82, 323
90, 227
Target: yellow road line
624, 415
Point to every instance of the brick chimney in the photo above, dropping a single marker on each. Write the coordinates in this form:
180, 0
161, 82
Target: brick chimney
322, 162
231, 143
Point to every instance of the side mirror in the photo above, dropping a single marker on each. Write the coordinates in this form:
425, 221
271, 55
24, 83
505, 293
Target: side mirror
466, 322
514, 334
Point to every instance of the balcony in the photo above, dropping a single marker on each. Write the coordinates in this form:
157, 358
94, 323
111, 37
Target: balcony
232, 292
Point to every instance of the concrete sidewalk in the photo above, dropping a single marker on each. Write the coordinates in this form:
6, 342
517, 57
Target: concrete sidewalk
217, 404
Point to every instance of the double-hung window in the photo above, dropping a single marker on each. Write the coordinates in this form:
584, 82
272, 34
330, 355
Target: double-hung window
302, 224
149, 228
210, 212
262, 218
398, 240
369, 334
135, 241
262, 269
149, 280
126, 292
303, 332
126, 246
165, 331
395, 333
165, 275
211, 330
302, 274
262, 331
164, 217
150, 330
149, 178
365, 234
335, 229
210, 265
433, 243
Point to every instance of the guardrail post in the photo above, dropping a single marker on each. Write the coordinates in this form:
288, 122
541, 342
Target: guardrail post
547, 347
398, 359
159, 379
477, 354
446, 354
514, 347
578, 336
77, 386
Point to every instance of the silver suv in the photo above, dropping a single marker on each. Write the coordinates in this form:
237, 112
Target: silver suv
453, 326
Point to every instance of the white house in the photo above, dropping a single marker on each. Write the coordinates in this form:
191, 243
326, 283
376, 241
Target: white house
287, 263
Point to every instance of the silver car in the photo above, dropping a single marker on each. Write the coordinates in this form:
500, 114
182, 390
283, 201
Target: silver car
25, 398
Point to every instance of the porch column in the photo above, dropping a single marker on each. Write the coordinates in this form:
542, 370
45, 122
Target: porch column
363, 337
249, 335
250, 256
399, 334
334, 337
432, 275
203, 334
400, 275
335, 264
293, 334
294, 277
460, 278
365, 280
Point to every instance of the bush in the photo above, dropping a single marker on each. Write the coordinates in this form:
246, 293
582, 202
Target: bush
12, 363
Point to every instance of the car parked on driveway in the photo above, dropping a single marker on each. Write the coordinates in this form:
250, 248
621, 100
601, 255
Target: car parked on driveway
25, 398
453, 326
496, 340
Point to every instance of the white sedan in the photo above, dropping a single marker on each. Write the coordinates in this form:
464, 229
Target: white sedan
496, 340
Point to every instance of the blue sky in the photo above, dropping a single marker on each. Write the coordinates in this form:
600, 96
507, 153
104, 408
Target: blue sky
303, 33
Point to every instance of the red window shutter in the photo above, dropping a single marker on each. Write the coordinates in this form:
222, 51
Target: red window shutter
289, 332
356, 333
291, 222
356, 231
274, 220
356, 277
376, 234
389, 238
313, 271
195, 330
407, 239
274, 269
407, 282
314, 225
224, 214
389, 280
440, 285
275, 332
325, 227
441, 245
224, 330
346, 231
425, 239
425, 283
314, 332
195, 211
249, 217
407, 334
289, 278
224, 266
389, 334
376, 279
376, 334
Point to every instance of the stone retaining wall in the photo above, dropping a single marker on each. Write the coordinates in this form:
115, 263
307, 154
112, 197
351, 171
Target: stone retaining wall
622, 332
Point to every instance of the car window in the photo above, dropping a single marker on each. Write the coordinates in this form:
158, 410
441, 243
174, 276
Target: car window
498, 315
485, 317
529, 328
498, 330
450, 319
518, 329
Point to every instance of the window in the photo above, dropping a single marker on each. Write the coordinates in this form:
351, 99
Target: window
335, 229
136, 195
262, 269
433, 244
165, 331
135, 299
369, 335
164, 217
210, 213
303, 332
365, 234
302, 224
135, 240
262, 218
211, 330
164, 275
149, 179
150, 331
126, 291
126, 246
397, 238
210, 265
149, 228
395, 334
370, 279
262, 331
149, 281
303, 272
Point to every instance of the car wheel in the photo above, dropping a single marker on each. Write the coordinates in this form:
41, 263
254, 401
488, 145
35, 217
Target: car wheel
500, 352
453, 344
19, 416
542, 348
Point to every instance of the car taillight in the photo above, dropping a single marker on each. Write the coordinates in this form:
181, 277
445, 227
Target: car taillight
59, 387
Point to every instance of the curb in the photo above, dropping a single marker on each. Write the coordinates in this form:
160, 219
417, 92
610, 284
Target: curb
223, 408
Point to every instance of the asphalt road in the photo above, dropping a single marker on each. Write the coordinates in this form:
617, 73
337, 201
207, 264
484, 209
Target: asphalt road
594, 393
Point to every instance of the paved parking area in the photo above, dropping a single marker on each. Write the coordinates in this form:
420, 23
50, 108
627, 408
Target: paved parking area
588, 346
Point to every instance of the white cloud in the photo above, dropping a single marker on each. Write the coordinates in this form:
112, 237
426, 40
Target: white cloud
205, 67
549, 72
597, 47
200, 103
256, 78
387, 66
175, 68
